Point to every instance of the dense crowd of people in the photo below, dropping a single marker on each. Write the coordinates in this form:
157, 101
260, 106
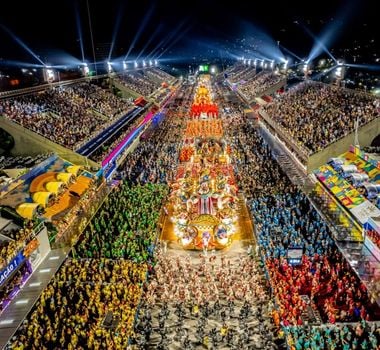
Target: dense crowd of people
18, 162
256, 86
207, 301
91, 96
333, 288
159, 75
71, 311
140, 82
239, 72
359, 336
19, 238
287, 220
65, 115
155, 158
315, 114
323, 283
125, 225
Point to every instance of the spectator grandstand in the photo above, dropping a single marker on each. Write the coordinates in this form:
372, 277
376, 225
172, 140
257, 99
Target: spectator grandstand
315, 114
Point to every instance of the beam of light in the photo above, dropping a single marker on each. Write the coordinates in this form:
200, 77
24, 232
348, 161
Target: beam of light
153, 36
166, 39
291, 52
257, 41
21, 43
79, 29
333, 29
318, 46
325, 72
179, 37
373, 67
19, 64
140, 30
116, 28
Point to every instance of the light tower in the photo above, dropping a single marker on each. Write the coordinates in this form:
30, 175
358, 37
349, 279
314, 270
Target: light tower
339, 72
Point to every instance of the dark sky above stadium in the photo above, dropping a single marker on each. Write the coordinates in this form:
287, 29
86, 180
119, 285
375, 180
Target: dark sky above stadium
182, 28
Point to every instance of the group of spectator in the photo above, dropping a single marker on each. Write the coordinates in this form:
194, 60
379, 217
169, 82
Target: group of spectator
140, 82
71, 311
256, 86
316, 114
19, 238
19, 162
159, 75
68, 115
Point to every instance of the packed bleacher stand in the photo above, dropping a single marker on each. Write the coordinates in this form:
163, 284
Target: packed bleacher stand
18, 162
19, 238
315, 114
139, 82
65, 114
159, 75
101, 100
238, 71
14, 239
257, 85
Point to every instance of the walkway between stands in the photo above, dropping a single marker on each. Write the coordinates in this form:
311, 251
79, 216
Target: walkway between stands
92, 145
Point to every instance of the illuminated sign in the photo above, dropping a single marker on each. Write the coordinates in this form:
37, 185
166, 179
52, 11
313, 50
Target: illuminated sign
16, 261
203, 68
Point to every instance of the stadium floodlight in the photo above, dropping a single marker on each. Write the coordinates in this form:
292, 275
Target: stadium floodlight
245, 62
249, 62
213, 70
144, 64
272, 64
255, 62
86, 70
265, 65
155, 62
305, 67
286, 64
151, 63
136, 64
49, 74
124, 65
339, 71
262, 64
109, 67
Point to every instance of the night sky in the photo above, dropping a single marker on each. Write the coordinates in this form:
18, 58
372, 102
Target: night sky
195, 28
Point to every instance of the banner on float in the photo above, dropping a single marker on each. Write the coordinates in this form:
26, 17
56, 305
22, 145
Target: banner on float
364, 211
12, 266
365, 156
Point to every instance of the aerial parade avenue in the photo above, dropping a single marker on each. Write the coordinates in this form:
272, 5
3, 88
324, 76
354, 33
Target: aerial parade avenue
189, 175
